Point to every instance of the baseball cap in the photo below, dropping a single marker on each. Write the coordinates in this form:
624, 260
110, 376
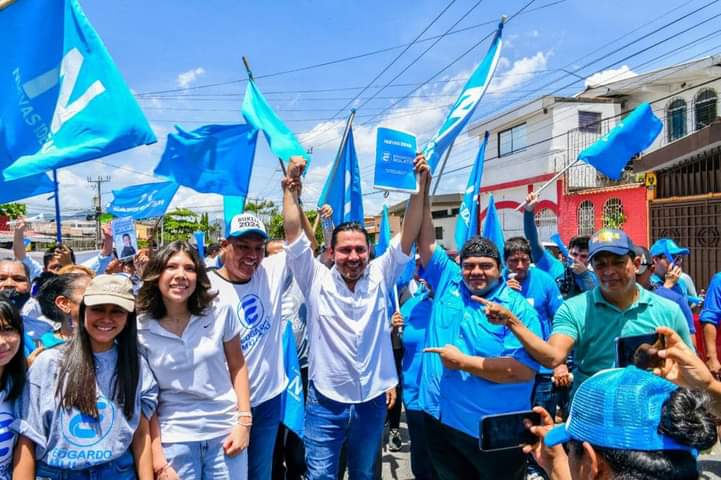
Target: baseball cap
618, 408
610, 240
113, 289
246, 223
667, 248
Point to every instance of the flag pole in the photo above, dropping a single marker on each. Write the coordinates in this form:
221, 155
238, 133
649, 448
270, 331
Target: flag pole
58, 226
346, 131
548, 183
443, 167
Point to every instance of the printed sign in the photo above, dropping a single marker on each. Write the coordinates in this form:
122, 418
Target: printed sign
395, 152
124, 237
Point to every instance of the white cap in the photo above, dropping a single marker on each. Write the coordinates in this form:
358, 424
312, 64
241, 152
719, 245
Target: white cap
246, 223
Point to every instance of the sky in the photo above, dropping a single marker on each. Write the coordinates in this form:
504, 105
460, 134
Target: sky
169, 51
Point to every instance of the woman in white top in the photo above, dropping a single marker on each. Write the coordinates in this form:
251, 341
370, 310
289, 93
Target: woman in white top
202, 425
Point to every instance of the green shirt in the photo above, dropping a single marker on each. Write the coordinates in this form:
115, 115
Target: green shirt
594, 324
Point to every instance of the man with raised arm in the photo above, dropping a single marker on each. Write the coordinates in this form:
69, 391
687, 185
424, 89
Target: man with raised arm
351, 359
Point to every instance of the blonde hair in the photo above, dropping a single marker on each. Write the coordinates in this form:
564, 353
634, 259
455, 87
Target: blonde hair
75, 268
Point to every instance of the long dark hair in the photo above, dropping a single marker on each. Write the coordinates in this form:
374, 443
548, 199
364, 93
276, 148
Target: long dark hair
77, 382
14, 372
150, 299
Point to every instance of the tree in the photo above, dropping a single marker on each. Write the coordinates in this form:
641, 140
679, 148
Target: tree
13, 210
180, 224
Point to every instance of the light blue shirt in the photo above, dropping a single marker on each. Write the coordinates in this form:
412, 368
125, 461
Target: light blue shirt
711, 312
69, 439
416, 313
457, 398
8, 413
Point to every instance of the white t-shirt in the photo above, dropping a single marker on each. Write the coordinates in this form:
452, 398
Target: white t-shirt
259, 307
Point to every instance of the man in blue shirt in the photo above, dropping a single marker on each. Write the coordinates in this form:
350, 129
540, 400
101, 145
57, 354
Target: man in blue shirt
710, 317
472, 367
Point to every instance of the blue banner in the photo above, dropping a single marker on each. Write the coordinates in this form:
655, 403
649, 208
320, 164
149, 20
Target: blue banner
211, 159
464, 107
292, 402
395, 152
258, 113
13, 190
467, 221
143, 201
384, 233
232, 206
200, 243
342, 189
493, 228
613, 151
64, 100
556, 238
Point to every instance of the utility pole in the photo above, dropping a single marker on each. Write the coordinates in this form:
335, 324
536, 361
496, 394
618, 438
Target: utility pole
99, 205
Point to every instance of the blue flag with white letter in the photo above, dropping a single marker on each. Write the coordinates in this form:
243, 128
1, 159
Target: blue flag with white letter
467, 221
384, 233
342, 189
210, 159
463, 109
143, 201
613, 151
13, 190
63, 99
258, 113
493, 228
292, 403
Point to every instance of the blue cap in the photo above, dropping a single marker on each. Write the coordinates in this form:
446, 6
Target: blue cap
610, 240
667, 248
618, 408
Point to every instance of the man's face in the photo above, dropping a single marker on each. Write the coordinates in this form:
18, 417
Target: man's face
480, 274
660, 265
616, 273
54, 265
519, 263
12, 275
242, 256
644, 278
579, 255
350, 254
126, 240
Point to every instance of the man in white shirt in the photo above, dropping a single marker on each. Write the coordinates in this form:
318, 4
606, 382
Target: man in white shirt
351, 359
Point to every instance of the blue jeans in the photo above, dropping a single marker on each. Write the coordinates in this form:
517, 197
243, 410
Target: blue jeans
122, 468
330, 424
205, 460
266, 419
420, 458
544, 393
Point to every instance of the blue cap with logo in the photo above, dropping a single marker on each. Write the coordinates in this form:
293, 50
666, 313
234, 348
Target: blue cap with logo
667, 248
610, 240
618, 408
245, 224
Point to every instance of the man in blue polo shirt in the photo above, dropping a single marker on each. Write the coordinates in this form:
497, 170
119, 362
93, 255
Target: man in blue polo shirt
472, 368
710, 318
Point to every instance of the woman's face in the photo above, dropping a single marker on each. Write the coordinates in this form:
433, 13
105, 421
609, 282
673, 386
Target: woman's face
104, 323
9, 342
179, 278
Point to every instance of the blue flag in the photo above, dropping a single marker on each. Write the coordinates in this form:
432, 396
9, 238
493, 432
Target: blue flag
556, 238
258, 113
493, 228
467, 221
612, 152
232, 206
384, 233
63, 99
200, 243
143, 201
211, 159
292, 403
342, 189
13, 190
464, 107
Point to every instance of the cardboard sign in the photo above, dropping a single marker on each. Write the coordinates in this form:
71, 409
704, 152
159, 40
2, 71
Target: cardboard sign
395, 152
124, 237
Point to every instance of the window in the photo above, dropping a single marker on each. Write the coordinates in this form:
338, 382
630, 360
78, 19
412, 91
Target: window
589, 122
512, 140
705, 108
439, 233
613, 216
546, 224
676, 119
586, 220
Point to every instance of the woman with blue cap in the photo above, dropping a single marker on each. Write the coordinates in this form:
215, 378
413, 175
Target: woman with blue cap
629, 424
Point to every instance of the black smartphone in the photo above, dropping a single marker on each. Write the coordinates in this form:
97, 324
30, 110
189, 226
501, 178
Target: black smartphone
640, 350
507, 430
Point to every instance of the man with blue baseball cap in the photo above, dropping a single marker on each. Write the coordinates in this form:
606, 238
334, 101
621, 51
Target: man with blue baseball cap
667, 260
590, 322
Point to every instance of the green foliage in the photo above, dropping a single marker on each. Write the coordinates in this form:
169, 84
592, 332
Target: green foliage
13, 210
106, 218
615, 220
182, 222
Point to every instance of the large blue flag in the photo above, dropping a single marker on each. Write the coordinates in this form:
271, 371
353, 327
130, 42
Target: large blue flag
493, 228
258, 113
464, 107
342, 189
635, 133
467, 221
556, 238
384, 233
13, 190
292, 403
232, 206
63, 99
211, 159
143, 201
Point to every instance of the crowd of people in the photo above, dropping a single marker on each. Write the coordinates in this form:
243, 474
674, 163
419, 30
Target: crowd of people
171, 366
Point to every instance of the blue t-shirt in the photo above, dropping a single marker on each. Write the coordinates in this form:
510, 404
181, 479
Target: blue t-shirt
416, 312
681, 301
69, 439
8, 413
457, 398
679, 287
711, 312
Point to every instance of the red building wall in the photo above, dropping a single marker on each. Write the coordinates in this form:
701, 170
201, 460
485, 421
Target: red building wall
635, 208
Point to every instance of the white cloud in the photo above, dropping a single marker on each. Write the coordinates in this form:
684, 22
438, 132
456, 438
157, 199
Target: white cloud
608, 76
522, 70
186, 78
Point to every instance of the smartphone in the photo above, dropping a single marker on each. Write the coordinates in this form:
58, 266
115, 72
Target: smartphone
640, 350
507, 430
